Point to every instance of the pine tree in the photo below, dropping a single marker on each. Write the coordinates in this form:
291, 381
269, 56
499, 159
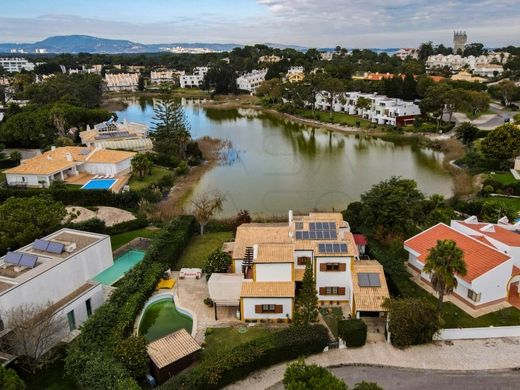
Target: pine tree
171, 129
307, 305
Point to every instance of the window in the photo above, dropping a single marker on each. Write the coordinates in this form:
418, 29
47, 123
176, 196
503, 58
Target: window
268, 308
88, 304
72, 320
331, 290
475, 297
332, 266
303, 260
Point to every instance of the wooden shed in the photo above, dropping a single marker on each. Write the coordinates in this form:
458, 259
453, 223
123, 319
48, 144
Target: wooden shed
172, 353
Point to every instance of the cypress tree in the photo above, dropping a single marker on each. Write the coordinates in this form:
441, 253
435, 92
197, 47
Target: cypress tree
307, 305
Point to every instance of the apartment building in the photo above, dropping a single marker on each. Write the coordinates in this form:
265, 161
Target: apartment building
117, 82
165, 76
251, 81
194, 80
404, 53
273, 258
16, 64
492, 257
381, 109
457, 62
57, 270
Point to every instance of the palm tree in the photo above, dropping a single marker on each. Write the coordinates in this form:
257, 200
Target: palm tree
444, 261
139, 164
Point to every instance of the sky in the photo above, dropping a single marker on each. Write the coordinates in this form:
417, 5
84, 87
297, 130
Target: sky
310, 23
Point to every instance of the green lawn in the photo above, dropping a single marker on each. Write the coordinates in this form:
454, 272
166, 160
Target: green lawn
138, 183
119, 240
337, 117
200, 248
219, 339
504, 178
513, 202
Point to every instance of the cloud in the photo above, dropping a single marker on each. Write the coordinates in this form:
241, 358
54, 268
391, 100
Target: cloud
349, 23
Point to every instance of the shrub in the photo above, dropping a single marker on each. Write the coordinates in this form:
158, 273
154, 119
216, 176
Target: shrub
128, 226
93, 225
411, 321
218, 261
300, 376
236, 363
9, 379
353, 332
182, 169
132, 353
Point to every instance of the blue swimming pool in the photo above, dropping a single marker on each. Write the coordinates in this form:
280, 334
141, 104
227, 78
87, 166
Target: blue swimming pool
121, 265
99, 184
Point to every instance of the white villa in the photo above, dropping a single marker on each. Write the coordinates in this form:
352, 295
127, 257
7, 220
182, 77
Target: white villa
194, 80
116, 82
270, 59
492, 256
456, 62
114, 135
251, 81
16, 64
382, 110
57, 270
404, 53
269, 262
69, 163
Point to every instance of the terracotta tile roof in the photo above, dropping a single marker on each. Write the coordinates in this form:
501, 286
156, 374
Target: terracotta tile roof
516, 271
258, 233
107, 156
480, 258
171, 348
275, 253
267, 289
298, 274
360, 239
369, 298
495, 232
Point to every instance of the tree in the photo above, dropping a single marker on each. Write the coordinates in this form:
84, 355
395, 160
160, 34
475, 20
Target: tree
205, 205
363, 103
171, 129
333, 87
15, 155
217, 262
300, 376
494, 209
410, 321
35, 329
140, 83
425, 50
241, 218
444, 260
503, 143
367, 386
24, 219
221, 78
142, 164
271, 89
476, 101
466, 133
131, 352
507, 89
9, 379
307, 303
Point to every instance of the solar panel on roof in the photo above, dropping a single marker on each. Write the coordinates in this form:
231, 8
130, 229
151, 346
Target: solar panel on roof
336, 247
343, 248
321, 248
332, 225
84, 152
312, 235
319, 226
299, 235
305, 235
55, 247
13, 258
40, 245
374, 280
319, 235
326, 234
369, 279
329, 248
363, 280
28, 260
333, 235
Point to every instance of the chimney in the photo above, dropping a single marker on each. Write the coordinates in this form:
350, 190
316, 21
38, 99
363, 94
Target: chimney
68, 156
290, 217
53, 148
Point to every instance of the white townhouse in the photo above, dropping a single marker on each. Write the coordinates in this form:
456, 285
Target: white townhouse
271, 59
16, 64
194, 80
404, 53
491, 254
57, 270
165, 76
273, 258
69, 162
251, 81
381, 110
116, 82
457, 62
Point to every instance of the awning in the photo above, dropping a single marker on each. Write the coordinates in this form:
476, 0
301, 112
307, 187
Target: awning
224, 289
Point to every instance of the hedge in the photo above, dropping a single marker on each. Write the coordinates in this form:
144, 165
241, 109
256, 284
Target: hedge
90, 358
95, 225
128, 226
352, 332
231, 365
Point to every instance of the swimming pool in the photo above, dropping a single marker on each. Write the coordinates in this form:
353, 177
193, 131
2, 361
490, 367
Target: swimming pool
161, 317
122, 264
99, 184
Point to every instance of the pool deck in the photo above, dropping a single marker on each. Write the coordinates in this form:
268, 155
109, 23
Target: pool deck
83, 178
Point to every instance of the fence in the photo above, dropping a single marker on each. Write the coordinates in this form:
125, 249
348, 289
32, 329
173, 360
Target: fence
478, 333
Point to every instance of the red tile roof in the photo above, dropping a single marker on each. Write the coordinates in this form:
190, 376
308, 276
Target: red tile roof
516, 271
479, 257
496, 232
360, 239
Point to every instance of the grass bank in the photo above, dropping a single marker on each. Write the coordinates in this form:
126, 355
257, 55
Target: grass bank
200, 247
118, 240
138, 183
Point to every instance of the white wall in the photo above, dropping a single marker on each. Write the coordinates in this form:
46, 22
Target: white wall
30, 180
250, 303
238, 266
493, 284
99, 169
273, 272
478, 333
334, 278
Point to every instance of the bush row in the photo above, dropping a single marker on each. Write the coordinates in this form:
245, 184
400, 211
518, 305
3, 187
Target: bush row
95, 225
352, 332
494, 186
236, 363
90, 358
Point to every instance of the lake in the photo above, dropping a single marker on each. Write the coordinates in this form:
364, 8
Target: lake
278, 165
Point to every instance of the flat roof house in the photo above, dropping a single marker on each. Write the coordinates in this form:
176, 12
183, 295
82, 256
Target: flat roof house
273, 258
70, 163
114, 135
491, 256
58, 270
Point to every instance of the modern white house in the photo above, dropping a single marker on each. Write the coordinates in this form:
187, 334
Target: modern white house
251, 81
327, 55
117, 135
117, 82
404, 53
55, 272
16, 64
69, 162
194, 80
381, 109
491, 254
273, 258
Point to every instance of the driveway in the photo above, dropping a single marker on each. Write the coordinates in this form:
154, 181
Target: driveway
411, 379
